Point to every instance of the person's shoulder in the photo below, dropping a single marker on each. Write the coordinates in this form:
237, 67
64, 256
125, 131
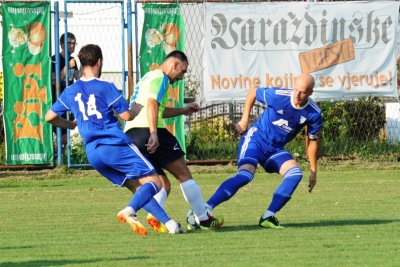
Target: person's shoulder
314, 106
282, 91
157, 73
95, 81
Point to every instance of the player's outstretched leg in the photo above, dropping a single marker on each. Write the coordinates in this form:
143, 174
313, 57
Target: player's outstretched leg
192, 193
159, 219
229, 187
140, 198
281, 196
152, 220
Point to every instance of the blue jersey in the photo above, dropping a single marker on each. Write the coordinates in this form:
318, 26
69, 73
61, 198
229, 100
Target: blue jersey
282, 121
93, 103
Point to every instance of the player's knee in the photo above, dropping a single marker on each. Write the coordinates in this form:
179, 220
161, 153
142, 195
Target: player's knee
295, 174
156, 181
244, 177
166, 184
290, 181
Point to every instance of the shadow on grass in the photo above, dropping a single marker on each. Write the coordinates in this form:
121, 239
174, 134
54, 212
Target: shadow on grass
348, 222
66, 262
16, 247
327, 223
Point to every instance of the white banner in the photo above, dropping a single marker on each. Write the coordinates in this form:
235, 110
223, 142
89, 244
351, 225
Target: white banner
349, 47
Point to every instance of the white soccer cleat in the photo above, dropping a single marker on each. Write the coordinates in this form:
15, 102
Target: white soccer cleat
131, 218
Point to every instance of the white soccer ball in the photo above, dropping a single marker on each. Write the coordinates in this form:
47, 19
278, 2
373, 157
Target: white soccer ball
192, 220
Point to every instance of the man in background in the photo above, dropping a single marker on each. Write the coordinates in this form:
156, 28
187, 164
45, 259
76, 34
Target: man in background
72, 75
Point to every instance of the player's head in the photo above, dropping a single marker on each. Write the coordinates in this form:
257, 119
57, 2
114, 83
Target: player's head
91, 56
303, 88
71, 42
175, 65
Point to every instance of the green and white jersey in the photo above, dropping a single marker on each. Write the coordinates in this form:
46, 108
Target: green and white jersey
153, 84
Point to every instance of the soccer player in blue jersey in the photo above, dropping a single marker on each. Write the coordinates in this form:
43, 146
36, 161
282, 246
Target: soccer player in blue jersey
287, 112
93, 102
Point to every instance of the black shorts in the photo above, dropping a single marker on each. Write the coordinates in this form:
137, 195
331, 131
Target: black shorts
168, 151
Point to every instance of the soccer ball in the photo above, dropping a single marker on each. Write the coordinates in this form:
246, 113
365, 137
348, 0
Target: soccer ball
192, 221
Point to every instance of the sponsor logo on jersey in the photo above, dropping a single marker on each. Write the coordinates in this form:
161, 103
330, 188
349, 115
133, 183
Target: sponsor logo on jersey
280, 111
302, 119
283, 124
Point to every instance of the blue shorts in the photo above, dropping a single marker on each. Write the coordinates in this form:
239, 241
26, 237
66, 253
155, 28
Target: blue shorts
253, 150
119, 163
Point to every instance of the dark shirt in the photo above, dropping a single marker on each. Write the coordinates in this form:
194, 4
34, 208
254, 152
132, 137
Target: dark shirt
63, 83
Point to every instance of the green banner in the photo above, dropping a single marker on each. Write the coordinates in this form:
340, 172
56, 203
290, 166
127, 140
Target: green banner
164, 32
27, 84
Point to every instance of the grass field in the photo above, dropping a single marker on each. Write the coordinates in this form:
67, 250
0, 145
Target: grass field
67, 218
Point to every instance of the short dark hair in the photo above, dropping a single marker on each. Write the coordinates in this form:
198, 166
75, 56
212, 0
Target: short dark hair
69, 35
90, 54
178, 55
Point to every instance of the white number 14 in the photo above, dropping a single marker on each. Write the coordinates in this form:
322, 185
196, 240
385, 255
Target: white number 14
91, 106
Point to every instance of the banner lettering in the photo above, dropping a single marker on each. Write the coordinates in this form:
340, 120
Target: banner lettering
350, 48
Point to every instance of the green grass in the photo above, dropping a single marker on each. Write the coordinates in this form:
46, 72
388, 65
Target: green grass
58, 218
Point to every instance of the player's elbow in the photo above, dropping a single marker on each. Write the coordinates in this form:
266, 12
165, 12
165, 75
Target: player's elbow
126, 116
50, 116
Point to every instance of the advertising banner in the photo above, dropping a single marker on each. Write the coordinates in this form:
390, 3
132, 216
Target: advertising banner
27, 87
164, 32
349, 47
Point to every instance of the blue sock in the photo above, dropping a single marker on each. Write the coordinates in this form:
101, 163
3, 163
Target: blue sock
229, 188
143, 195
285, 190
155, 209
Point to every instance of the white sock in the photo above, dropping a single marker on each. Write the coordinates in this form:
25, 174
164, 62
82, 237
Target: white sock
192, 194
268, 213
161, 197
129, 210
171, 226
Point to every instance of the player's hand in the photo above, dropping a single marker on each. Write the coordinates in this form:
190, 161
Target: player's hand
241, 126
72, 63
312, 181
72, 125
153, 144
135, 109
191, 108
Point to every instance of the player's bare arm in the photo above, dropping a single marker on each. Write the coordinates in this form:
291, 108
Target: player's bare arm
58, 121
152, 116
248, 105
131, 113
187, 110
312, 157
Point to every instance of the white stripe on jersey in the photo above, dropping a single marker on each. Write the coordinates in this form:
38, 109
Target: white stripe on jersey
265, 99
287, 92
247, 139
64, 104
134, 148
114, 101
314, 105
276, 155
